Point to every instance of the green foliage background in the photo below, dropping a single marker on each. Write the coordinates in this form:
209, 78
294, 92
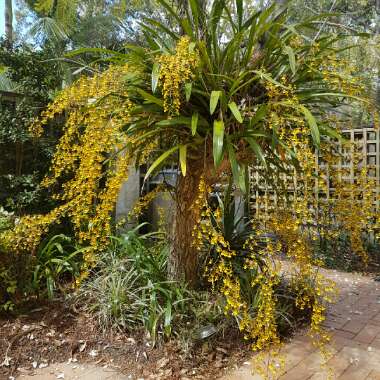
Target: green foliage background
24, 160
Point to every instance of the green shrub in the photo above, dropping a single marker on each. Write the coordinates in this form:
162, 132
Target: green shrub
57, 262
337, 253
129, 287
24, 276
6, 220
15, 279
14, 269
111, 294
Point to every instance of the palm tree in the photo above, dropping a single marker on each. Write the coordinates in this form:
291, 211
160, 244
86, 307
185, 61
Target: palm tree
223, 89
90, 23
223, 124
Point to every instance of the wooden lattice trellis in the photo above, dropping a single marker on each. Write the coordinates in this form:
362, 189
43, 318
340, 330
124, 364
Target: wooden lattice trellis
264, 199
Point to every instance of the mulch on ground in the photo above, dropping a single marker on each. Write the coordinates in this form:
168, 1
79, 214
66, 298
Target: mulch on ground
54, 332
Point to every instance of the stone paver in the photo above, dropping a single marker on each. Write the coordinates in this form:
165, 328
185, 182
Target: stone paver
74, 371
354, 322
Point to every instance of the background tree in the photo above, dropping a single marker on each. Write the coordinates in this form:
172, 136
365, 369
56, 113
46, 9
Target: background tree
8, 20
351, 16
34, 67
24, 160
90, 23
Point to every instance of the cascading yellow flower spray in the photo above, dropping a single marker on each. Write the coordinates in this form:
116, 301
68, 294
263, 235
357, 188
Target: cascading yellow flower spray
175, 70
88, 154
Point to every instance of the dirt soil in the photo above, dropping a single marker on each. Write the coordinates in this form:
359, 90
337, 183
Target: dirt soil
55, 333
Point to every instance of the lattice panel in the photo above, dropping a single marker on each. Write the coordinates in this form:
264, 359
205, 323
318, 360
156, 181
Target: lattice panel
264, 198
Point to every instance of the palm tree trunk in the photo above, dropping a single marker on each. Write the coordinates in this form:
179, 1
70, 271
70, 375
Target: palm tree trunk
184, 255
183, 258
8, 20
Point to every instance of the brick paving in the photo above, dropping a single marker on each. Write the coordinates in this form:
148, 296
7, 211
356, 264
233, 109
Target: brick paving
354, 323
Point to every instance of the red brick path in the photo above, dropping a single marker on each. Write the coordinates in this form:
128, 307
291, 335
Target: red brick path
354, 322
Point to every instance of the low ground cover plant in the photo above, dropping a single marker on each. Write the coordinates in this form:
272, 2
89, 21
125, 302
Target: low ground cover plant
49, 273
129, 288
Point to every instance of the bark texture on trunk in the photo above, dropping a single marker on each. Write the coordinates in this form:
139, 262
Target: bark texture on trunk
8, 20
183, 259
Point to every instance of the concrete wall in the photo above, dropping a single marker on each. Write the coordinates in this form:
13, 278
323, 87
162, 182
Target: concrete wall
128, 196
162, 209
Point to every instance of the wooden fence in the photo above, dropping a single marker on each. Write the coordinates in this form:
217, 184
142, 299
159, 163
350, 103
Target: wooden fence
264, 198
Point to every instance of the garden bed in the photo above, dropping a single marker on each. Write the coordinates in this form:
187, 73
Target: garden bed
54, 332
